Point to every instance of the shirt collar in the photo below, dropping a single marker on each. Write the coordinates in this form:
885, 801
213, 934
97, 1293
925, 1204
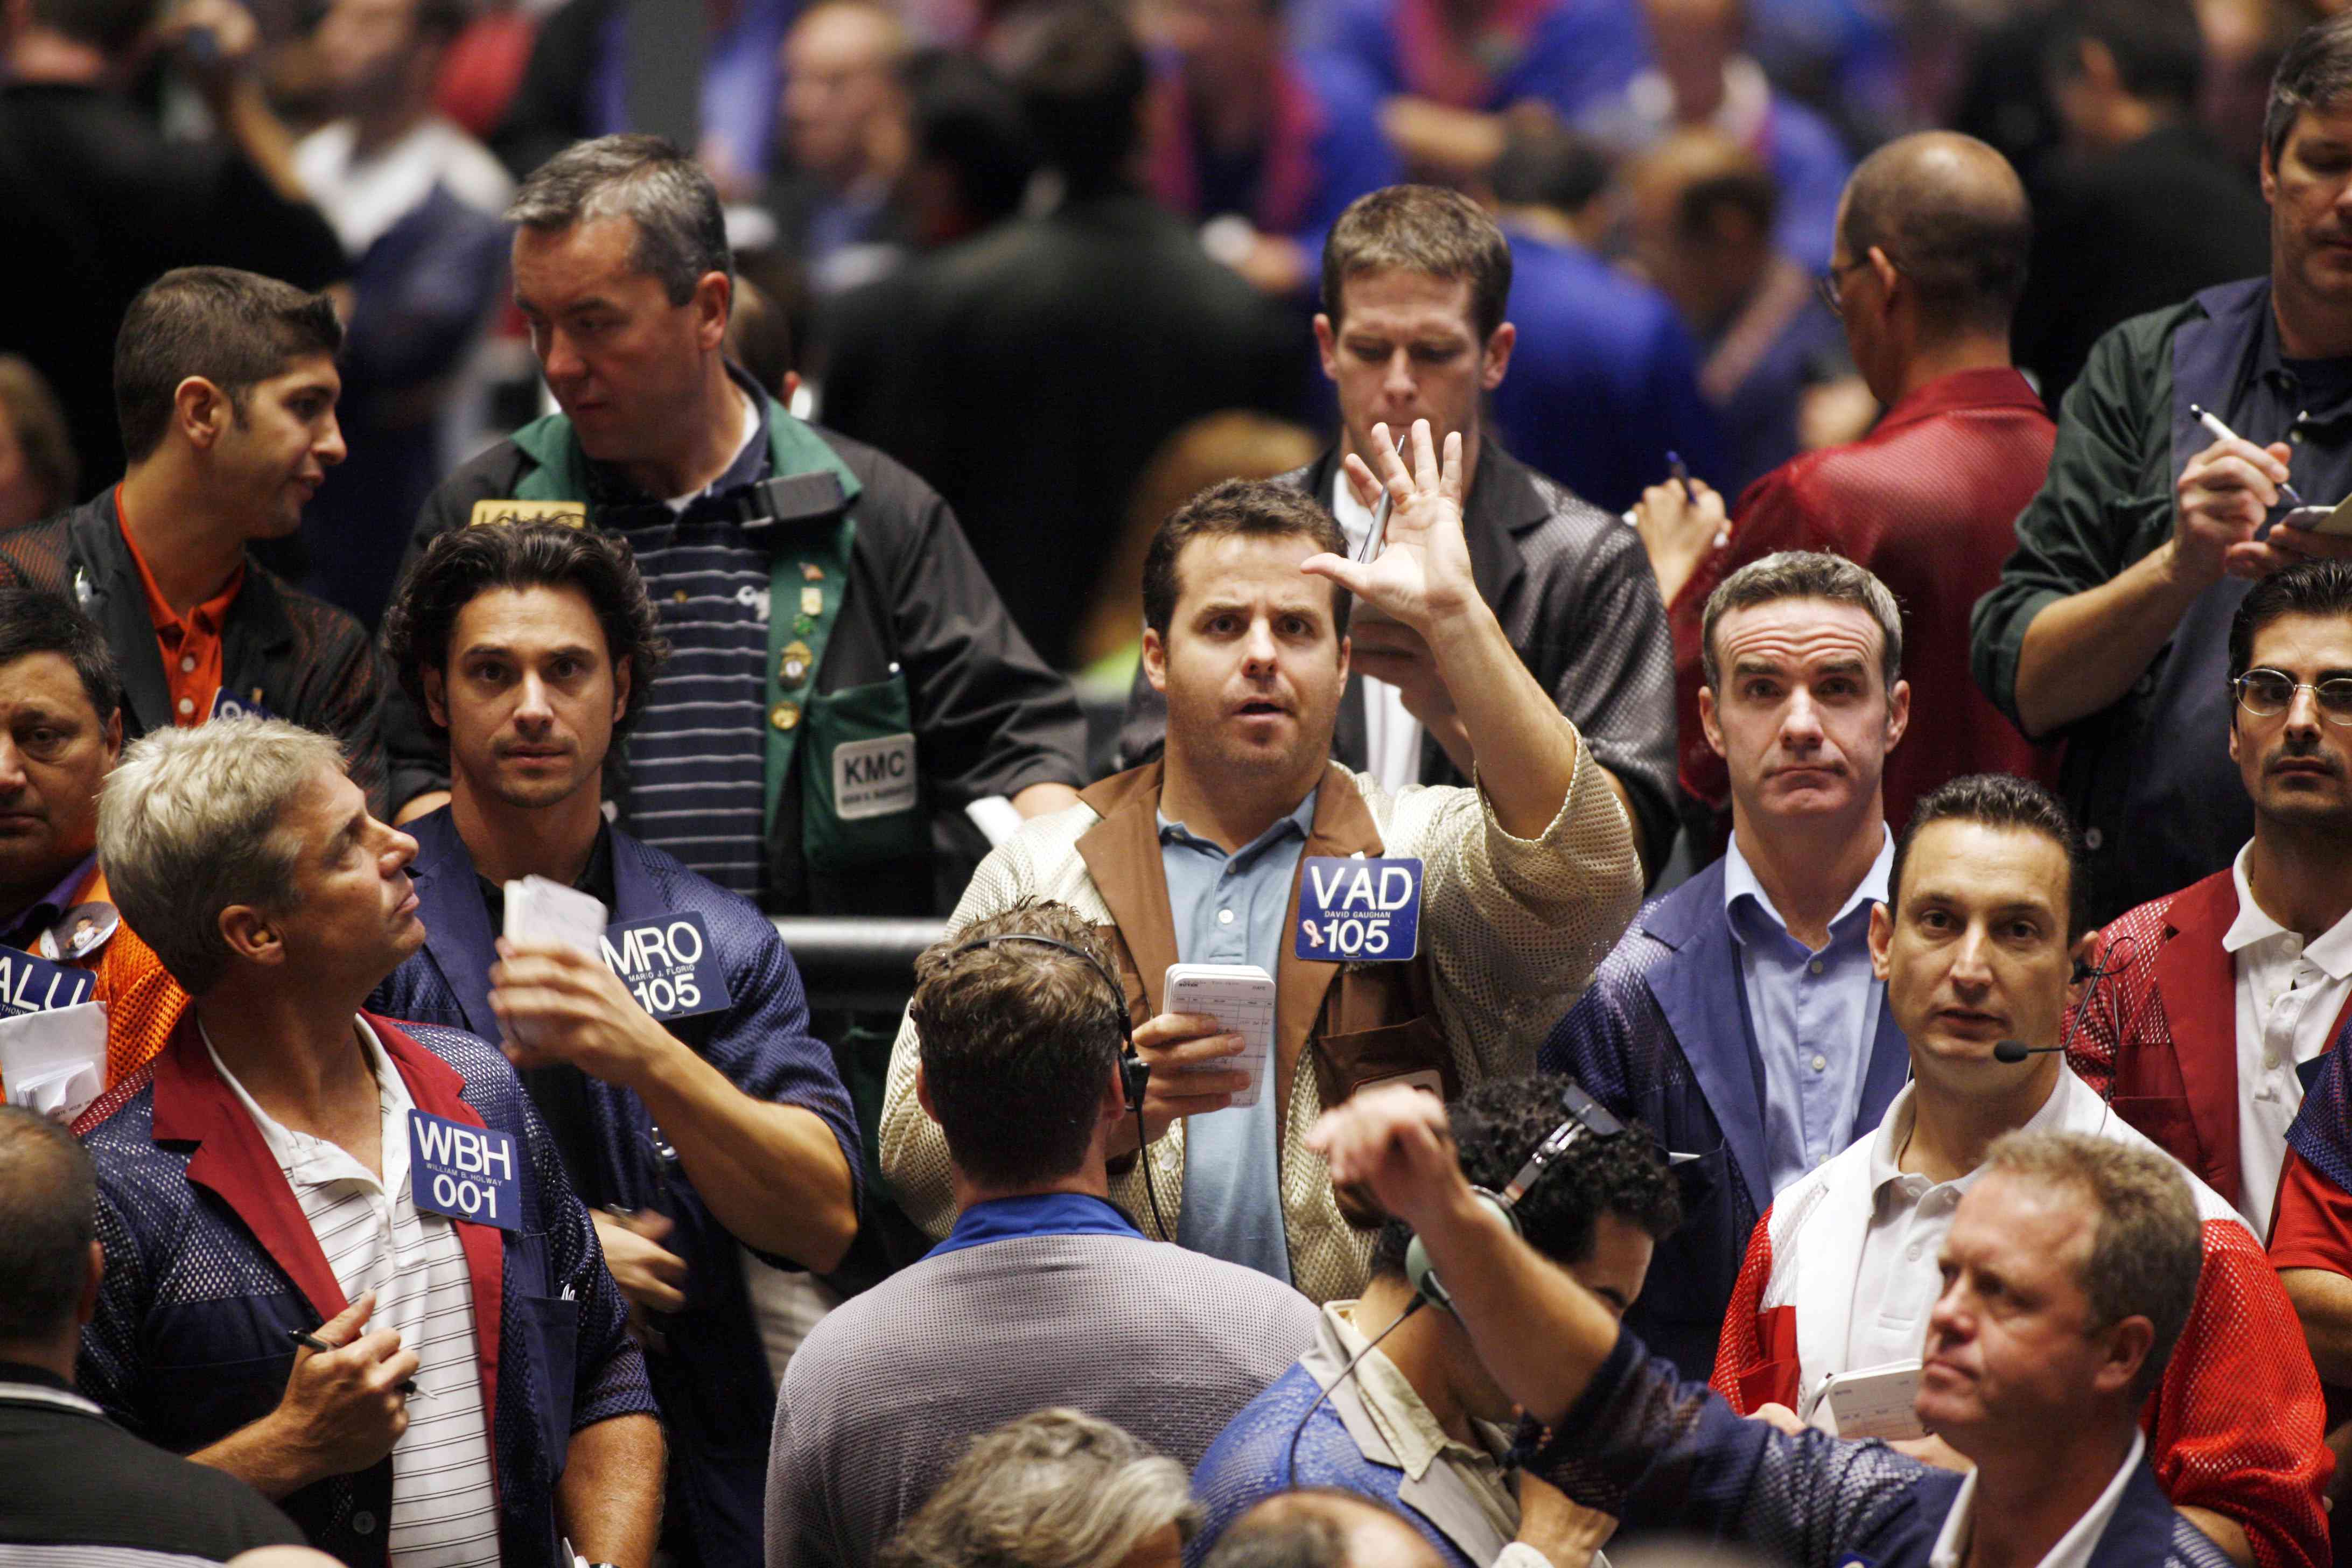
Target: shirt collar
56, 901
205, 619
1895, 1131
1987, 385
1300, 821
1415, 1439
2331, 952
2072, 1550
297, 1153
1039, 1214
1739, 881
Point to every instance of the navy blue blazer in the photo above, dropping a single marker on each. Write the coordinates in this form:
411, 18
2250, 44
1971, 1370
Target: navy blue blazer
713, 1384
1663, 1034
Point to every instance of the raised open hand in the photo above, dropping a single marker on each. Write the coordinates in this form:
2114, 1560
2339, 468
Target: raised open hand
1422, 575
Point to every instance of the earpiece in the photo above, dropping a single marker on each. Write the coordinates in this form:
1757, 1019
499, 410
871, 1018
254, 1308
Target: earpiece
1423, 1279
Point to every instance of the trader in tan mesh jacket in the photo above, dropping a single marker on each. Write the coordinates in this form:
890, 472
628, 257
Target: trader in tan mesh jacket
1524, 881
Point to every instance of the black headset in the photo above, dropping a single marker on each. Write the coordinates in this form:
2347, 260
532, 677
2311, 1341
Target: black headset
1134, 1072
1587, 1117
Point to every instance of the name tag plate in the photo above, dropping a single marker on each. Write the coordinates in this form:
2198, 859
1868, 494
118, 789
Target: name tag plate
464, 1173
30, 984
1358, 910
486, 513
667, 964
874, 778
227, 704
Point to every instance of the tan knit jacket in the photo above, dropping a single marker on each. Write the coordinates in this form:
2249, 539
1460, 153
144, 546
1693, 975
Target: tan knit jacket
1513, 928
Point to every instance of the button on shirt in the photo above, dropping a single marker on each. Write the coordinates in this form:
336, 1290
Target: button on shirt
190, 645
1231, 909
1814, 1015
445, 1510
1391, 735
2289, 997
1902, 1272
2073, 1549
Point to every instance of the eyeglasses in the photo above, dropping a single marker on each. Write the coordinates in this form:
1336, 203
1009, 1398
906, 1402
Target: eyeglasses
1826, 286
2267, 693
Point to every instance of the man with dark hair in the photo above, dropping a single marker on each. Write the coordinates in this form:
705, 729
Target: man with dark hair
2227, 993
1149, 335
1044, 1293
417, 203
1318, 1527
1204, 856
1739, 1018
1414, 284
2068, 1273
2109, 626
2108, 242
60, 733
1930, 256
226, 384
343, 1263
1598, 355
1263, 143
151, 1506
1984, 916
99, 201
1418, 1422
529, 647
1773, 363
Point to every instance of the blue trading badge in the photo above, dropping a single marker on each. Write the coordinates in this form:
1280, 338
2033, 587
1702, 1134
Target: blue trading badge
227, 704
30, 984
667, 964
1358, 910
463, 1172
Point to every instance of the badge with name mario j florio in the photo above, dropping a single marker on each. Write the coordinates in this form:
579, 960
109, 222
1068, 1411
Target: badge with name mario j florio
570, 513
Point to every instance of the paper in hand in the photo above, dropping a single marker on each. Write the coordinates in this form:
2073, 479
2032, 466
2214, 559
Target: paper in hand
55, 1061
539, 911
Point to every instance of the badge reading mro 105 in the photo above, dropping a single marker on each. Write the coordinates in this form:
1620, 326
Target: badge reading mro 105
1356, 911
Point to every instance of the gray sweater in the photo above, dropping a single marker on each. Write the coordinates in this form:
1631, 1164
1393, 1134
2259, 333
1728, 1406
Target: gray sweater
880, 1399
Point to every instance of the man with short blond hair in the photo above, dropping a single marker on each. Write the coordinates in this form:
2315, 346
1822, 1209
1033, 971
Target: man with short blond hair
312, 1217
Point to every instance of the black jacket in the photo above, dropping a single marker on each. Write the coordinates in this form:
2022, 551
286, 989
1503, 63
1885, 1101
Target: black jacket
310, 661
1033, 372
989, 719
1575, 594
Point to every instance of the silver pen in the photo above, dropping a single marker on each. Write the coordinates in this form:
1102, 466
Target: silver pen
2220, 432
1377, 535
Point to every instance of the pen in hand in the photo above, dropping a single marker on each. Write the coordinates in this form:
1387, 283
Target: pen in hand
313, 1343
1680, 471
2221, 432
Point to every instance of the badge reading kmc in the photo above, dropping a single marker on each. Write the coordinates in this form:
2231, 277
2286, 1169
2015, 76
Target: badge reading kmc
1353, 911
463, 1172
874, 778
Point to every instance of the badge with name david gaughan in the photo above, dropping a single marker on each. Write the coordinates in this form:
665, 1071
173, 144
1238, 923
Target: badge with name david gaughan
1357, 910
667, 964
464, 1173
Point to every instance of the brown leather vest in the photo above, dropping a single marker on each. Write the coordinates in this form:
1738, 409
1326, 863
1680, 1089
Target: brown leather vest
1358, 1023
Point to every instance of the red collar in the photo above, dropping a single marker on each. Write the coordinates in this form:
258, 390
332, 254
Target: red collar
1997, 387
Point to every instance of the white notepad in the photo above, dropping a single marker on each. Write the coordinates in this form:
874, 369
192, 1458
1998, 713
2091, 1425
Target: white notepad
1240, 996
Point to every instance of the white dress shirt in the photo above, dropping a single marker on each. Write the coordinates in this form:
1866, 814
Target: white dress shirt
2074, 1548
1391, 735
2288, 997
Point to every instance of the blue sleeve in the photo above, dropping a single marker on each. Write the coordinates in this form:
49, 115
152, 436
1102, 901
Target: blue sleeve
1596, 1042
608, 1370
1582, 52
1351, 156
108, 1371
1657, 1452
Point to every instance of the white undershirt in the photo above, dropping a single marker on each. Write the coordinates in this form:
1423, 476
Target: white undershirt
444, 1512
2288, 997
1391, 735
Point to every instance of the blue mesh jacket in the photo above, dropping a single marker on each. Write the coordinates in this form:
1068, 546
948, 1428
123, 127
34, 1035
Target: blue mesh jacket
717, 1395
209, 1261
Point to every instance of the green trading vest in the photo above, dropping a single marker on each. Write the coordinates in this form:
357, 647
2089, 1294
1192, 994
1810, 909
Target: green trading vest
807, 577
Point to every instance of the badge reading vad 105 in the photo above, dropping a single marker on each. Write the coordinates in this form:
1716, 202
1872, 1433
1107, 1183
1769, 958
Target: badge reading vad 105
1356, 911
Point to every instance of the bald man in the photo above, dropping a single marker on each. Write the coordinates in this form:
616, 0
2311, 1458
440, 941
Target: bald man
1321, 1528
1928, 262
847, 125
2110, 623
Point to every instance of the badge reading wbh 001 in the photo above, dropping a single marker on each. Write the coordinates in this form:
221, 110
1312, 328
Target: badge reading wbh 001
463, 1172
1356, 911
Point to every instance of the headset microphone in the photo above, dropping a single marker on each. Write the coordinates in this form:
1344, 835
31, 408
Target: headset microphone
2118, 957
2018, 1051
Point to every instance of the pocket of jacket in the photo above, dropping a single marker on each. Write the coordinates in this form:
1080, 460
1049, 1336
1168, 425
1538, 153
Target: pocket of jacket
1412, 1051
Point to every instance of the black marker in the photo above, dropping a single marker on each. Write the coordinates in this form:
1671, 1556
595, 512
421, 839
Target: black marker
313, 1343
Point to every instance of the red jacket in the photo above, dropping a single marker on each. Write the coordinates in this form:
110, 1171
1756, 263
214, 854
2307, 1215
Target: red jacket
1927, 500
2175, 992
